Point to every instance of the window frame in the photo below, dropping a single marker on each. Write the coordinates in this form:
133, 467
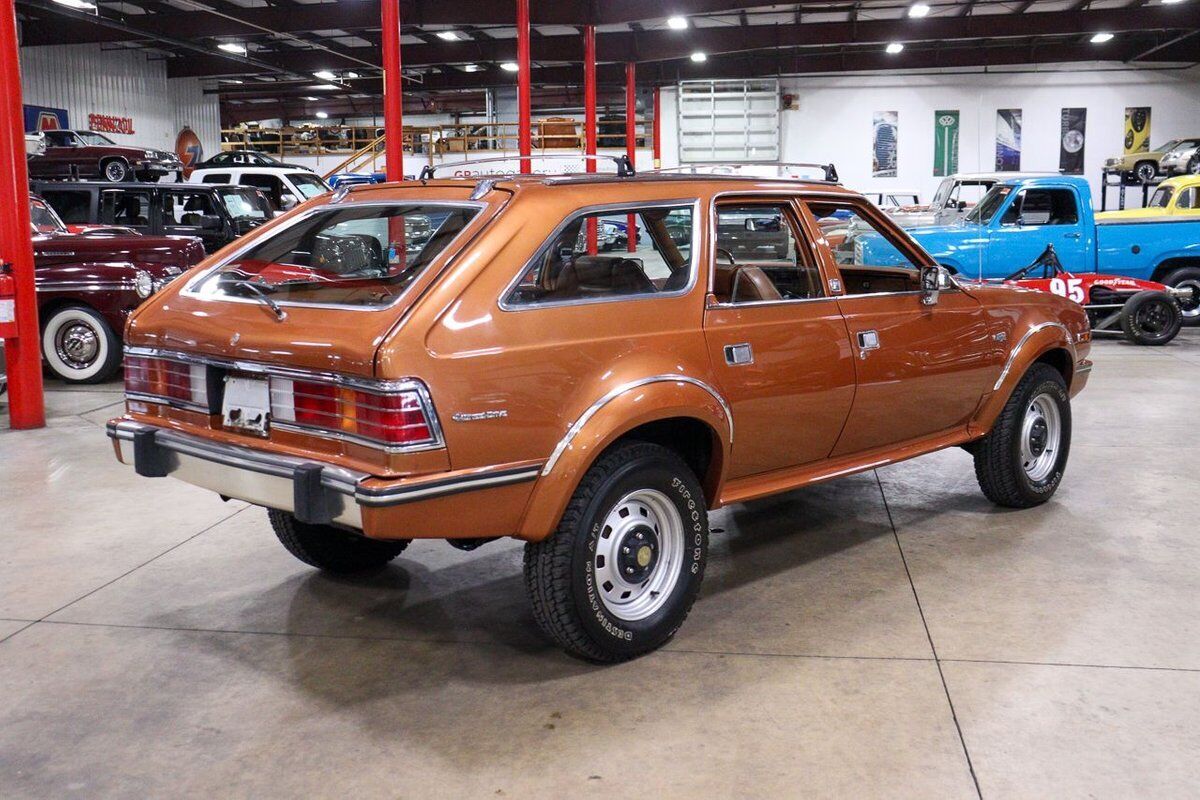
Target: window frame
600, 210
790, 201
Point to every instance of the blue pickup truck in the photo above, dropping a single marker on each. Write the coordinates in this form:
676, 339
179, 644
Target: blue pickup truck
1012, 224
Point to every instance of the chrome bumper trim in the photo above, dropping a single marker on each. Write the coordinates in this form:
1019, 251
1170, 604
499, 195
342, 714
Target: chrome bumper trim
190, 458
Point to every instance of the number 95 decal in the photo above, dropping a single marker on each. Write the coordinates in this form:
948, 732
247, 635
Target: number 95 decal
1071, 287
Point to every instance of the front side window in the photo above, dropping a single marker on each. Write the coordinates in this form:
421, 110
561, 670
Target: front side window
190, 210
986, 208
356, 256
270, 185
43, 219
1162, 197
759, 257
1042, 207
245, 203
868, 254
591, 257
308, 185
95, 139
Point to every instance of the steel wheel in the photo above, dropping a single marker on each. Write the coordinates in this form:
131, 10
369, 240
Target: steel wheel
638, 554
1041, 434
1154, 318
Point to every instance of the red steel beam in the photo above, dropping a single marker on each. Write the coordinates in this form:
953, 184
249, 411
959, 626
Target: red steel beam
657, 145
589, 120
631, 141
393, 92
22, 353
524, 104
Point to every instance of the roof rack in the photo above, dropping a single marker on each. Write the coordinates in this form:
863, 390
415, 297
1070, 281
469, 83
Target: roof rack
744, 169
624, 166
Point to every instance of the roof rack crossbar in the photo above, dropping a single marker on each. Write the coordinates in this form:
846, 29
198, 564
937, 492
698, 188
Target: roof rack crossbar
829, 170
624, 165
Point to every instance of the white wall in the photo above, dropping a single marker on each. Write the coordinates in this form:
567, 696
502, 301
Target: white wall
833, 118
84, 79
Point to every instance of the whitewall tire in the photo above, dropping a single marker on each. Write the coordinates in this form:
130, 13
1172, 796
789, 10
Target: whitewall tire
79, 346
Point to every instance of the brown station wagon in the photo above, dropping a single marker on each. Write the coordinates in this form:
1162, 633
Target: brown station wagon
503, 376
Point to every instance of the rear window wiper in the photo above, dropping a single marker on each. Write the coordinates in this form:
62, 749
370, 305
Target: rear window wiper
257, 291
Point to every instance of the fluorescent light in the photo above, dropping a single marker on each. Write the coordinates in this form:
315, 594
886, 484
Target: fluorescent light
677, 23
471, 68
448, 36
326, 86
699, 57
322, 115
509, 66
232, 47
1101, 38
230, 80
325, 75
1171, 2
351, 74
309, 97
895, 47
81, 5
918, 10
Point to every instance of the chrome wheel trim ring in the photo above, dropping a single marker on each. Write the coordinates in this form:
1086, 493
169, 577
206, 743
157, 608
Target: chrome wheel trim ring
1194, 285
1041, 437
620, 550
77, 344
114, 171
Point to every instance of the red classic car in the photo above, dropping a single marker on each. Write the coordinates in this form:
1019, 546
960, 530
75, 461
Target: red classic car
1146, 312
87, 154
87, 284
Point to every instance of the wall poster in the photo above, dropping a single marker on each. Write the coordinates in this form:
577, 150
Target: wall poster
1008, 140
883, 148
1071, 141
945, 143
1137, 129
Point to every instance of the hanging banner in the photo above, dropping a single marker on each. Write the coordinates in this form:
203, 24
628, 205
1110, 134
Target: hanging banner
43, 118
1071, 141
1137, 129
945, 143
1008, 140
883, 147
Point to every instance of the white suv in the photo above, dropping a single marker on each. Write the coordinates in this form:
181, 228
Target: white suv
284, 186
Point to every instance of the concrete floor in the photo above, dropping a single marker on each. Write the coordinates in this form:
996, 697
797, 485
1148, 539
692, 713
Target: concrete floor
889, 634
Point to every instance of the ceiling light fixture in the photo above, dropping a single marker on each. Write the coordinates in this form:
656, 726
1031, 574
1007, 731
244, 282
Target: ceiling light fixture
1171, 2
699, 57
918, 10
325, 75
509, 66
472, 68
895, 47
448, 36
351, 74
322, 115
233, 47
326, 86
309, 98
677, 23
79, 5
1101, 38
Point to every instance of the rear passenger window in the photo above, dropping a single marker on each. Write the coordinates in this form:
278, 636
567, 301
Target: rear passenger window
125, 208
74, 208
216, 177
759, 258
635, 252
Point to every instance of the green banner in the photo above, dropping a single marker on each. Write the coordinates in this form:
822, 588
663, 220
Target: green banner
945, 143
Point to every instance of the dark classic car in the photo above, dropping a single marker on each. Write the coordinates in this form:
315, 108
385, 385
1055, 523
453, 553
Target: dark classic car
247, 158
87, 154
88, 284
215, 214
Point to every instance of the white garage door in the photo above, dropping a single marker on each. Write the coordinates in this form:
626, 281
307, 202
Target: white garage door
729, 121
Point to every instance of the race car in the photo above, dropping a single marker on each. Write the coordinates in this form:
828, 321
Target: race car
1148, 313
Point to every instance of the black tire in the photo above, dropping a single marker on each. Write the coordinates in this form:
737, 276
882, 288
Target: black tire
999, 462
1151, 318
1193, 166
115, 170
572, 599
1145, 171
333, 549
1186, 277
79, 346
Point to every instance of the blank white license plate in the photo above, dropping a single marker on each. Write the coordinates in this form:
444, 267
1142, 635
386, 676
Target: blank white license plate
247, 404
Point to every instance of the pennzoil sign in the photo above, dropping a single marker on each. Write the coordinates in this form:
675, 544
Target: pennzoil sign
103, 123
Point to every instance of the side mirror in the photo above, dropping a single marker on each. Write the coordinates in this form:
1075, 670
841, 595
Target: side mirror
962, 205
211, 222
933, 281
751, 226
288, 201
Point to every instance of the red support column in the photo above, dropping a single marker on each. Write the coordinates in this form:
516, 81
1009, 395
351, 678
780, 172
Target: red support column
524, 106
631, 141
393, 91
589, 119
22, 354
657, 145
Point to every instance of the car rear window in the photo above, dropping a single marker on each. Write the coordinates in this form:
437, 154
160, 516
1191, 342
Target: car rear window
359, 255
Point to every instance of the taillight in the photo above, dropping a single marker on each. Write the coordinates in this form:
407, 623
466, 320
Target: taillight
166, 380
391, 418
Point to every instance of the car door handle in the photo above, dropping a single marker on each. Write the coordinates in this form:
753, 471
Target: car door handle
737, 355
1074, 235
867, 341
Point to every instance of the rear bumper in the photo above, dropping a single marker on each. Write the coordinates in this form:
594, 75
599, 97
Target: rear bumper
314, 492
